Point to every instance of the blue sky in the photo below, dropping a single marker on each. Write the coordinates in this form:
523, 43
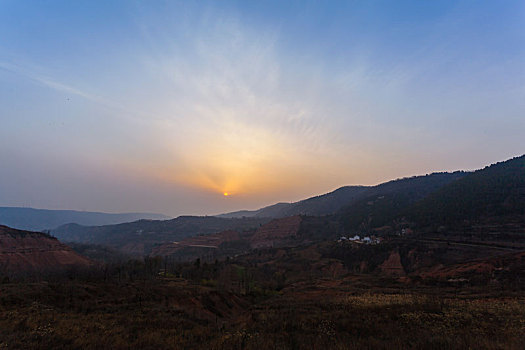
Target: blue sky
165, 105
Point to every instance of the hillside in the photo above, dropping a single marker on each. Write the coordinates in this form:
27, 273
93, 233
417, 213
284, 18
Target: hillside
274, 210
380, 204
412, 189
324, 296
484, 207
277, 232
34, 251
291, 231
325, 204
140, 236
43, 219
495, 191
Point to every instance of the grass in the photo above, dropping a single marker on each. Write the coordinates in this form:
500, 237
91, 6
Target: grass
175, 314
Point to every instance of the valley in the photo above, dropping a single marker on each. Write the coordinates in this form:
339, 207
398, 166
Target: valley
390, 269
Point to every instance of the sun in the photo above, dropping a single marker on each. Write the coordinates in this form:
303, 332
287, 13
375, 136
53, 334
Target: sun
226, 194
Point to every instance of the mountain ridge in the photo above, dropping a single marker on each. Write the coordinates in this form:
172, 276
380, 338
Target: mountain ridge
34, 219
334, 201
493, 191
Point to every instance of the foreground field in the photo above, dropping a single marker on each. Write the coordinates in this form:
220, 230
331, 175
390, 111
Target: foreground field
171, 313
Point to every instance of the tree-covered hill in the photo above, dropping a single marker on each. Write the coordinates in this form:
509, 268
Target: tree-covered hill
495, 191
380, 204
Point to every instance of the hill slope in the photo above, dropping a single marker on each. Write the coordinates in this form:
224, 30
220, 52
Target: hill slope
495, 191
140, 236
483, 207
34, 251
43, 219
325, 204
380, 204
347, 196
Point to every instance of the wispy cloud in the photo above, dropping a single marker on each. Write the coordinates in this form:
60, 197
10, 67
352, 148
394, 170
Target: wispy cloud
237, 120
50, 82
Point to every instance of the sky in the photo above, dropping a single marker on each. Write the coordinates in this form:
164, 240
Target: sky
167, 106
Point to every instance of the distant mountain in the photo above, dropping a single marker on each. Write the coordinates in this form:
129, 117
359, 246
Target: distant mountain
22, 251
141, 236
43, 219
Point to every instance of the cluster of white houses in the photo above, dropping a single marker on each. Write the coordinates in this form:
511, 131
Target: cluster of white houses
358, 239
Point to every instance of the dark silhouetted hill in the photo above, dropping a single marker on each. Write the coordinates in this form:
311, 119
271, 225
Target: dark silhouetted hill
487, 205
352, 200
495, 191
380, 204
325, 204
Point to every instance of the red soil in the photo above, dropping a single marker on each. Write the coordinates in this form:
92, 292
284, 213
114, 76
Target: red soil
206, 241
488, 266
23, 250
392, 266
275, 232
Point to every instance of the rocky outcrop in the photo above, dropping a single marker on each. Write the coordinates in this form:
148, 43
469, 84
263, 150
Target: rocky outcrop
392, 266
35, 251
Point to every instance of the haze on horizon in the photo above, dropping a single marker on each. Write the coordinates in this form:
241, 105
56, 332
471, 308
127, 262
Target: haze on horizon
164, 106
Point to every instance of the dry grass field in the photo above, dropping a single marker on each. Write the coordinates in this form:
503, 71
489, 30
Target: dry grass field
174, 313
